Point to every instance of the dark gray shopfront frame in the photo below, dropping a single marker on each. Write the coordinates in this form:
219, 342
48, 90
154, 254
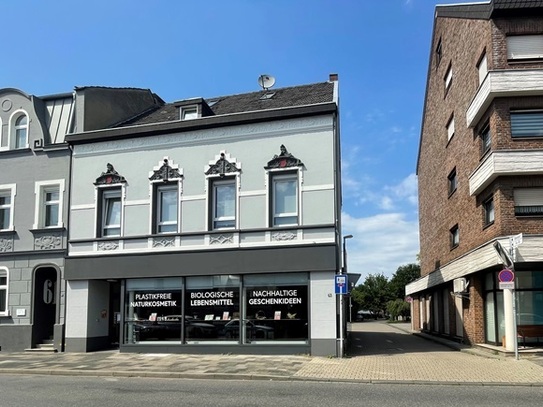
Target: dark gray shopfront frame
217, 262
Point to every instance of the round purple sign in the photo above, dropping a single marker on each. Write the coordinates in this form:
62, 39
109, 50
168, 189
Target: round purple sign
506, 276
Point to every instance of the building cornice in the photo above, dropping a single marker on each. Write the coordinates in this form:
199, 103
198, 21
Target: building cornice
200, 124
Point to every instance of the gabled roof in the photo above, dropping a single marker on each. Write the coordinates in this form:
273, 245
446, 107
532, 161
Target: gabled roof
295, 96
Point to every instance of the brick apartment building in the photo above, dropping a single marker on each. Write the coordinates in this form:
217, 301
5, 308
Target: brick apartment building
480, 168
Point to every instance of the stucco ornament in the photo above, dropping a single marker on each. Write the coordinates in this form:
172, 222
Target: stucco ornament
110, 176
221, 239
6, 245
48, 242
283, 160
164, 242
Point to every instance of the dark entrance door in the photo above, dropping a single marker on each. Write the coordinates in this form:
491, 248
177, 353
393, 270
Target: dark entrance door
115, 313
45, 304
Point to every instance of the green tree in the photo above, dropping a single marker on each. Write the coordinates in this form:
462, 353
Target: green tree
373, 294
404, 275
398, 308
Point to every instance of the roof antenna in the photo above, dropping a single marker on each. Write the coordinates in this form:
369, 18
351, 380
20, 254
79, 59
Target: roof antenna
266, 81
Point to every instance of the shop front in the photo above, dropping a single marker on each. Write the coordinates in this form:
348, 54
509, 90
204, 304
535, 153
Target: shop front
227, 310
194, 303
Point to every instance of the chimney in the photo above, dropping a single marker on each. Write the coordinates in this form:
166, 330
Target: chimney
333, 77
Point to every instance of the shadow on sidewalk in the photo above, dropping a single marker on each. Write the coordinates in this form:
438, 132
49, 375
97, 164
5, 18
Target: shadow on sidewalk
389, 342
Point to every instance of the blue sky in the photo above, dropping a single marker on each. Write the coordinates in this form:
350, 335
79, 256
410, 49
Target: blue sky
182, 49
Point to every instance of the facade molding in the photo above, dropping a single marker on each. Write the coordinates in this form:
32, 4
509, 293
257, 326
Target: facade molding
505, 163
201, 137
504, 83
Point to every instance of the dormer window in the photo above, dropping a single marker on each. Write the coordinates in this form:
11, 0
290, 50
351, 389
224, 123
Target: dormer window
189, 112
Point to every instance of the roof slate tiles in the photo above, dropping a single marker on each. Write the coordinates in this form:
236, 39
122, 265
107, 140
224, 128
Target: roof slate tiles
303, 95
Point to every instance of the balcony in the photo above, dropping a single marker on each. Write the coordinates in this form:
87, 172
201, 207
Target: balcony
504, 83
502, 163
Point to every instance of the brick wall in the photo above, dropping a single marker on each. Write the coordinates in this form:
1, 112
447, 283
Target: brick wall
463, 43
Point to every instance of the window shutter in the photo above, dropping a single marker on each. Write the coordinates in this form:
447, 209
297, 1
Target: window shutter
528, 196
527, 124
525, 46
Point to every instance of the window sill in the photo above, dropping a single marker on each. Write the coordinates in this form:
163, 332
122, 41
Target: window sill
487, 225
7, 232
452, 193
51, 229
454, 246
16, 150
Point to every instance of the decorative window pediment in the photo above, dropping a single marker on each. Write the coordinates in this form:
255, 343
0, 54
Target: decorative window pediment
110, 176
283, 160
222, 166
166, 172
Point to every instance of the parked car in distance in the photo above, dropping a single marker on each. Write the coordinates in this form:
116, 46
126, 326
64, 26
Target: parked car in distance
363, 315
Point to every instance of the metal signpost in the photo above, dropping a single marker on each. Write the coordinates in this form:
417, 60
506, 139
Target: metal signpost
506, 279
341, 289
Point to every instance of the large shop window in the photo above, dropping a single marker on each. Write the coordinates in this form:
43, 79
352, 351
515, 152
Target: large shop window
212, 308
153, 310
276, 307
225, 309
529, 300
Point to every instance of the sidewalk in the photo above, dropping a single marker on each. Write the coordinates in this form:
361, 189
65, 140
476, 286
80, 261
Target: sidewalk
408, 359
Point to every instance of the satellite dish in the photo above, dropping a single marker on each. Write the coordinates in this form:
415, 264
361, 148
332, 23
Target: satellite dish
266, 81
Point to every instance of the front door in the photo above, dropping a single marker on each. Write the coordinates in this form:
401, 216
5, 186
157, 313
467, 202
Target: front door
45, 303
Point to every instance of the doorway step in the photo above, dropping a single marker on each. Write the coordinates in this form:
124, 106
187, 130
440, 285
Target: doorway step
47, 346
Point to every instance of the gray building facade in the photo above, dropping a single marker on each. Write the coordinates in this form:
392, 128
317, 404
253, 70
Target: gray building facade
34, 192
208, 225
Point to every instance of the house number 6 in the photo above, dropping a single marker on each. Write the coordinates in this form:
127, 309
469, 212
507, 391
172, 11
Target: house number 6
48, 294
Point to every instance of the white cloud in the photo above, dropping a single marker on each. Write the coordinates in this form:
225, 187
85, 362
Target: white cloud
362, 189
407, 189
381, 243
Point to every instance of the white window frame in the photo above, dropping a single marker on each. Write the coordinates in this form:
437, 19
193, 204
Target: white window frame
4, 272
215, 182
12, 139
9, 190
455, 236
157, 200
450, 129
482, 68
104, 194
448, 78
189, 112
40, 191
273, 176
524, 47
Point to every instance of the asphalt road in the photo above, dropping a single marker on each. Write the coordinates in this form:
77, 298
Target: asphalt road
45, 391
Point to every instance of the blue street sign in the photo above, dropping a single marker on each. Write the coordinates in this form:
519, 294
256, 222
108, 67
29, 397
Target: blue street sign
341, 284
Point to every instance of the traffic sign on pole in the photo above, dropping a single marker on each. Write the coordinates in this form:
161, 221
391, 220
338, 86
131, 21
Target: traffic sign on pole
341, 284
